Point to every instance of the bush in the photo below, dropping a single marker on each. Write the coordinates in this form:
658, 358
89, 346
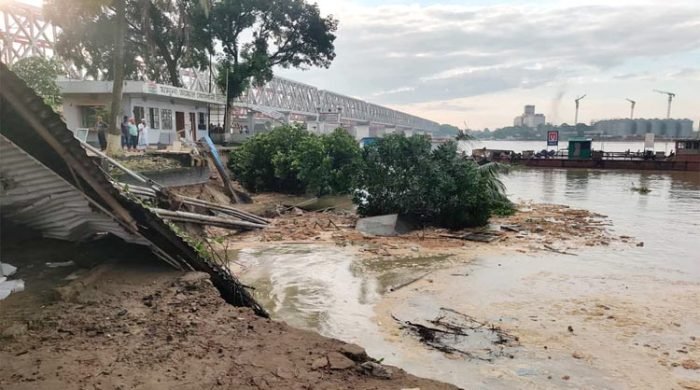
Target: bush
402, 175
291, 160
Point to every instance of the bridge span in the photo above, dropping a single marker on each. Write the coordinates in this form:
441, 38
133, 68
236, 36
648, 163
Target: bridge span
24, 32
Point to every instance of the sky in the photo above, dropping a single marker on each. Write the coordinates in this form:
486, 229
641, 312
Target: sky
478, 62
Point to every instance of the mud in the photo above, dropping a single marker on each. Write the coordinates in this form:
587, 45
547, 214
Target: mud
534, 228
140, 326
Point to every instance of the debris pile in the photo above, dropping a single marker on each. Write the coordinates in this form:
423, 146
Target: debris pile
7, 286
456, 333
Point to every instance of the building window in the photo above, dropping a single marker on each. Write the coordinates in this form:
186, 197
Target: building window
154, 118
166, 119
88, 116
138, 113
202, 124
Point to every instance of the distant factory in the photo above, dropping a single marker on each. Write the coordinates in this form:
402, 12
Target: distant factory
529, 118
635, 128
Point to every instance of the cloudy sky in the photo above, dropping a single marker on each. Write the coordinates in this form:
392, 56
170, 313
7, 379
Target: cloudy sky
480, 61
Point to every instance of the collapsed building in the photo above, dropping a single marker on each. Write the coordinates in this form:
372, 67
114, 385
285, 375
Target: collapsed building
49, 183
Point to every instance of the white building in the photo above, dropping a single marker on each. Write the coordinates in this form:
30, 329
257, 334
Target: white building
167, 110
529, 118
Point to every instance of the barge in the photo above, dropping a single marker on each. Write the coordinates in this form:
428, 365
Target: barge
580, 155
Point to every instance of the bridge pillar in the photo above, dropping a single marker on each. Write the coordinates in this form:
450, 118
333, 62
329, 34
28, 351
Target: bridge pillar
250, 122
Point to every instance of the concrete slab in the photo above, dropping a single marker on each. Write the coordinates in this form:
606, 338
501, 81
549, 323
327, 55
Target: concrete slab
384, 225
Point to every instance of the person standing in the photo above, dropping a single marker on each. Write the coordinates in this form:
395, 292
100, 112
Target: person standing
143, 135
101, 128
133, 134
125, 132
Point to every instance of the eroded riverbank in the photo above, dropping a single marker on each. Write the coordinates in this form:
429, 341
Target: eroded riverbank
630, 299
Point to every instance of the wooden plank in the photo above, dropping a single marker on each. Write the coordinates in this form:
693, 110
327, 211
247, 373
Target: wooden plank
216, 159
206, 219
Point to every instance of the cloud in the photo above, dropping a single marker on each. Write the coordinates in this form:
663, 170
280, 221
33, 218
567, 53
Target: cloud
408, 54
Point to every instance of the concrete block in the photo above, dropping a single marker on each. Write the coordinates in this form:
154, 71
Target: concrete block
384, 225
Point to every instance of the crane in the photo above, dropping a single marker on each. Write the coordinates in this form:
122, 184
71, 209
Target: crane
671, 95
577, 100
632, 111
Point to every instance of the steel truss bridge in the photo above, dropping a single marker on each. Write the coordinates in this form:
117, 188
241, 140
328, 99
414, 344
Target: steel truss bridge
25, 33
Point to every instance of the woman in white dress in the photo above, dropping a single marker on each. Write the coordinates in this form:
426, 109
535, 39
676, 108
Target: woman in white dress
143, 135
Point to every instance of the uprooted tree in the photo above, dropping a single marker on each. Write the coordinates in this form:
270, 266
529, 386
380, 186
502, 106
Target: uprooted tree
403, 175
291, 160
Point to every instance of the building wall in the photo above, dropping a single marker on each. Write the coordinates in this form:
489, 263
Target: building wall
72, 113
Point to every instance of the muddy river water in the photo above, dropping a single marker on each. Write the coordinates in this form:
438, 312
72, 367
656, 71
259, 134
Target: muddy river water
619, 316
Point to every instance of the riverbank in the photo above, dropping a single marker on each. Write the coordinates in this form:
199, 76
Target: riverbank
621, 315
533, 228
135, 324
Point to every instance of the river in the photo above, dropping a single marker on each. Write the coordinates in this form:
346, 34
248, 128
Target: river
623, 316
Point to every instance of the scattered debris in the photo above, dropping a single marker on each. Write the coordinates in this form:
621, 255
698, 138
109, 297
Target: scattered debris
213, 155
552, 249
642, 189
354, 352
60, 264
511, 228
338, 361
578, 355
181, 216
8, 287
476, 236
690, 364
319, 363
7, 269
376, 370
402, 285
452, 332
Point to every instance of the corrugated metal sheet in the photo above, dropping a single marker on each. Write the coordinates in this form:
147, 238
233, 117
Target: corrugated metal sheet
34, 129
33, 195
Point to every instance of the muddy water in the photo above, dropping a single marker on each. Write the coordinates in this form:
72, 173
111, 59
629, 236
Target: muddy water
633, 311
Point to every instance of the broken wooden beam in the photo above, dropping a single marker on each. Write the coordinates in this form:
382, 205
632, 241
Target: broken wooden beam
213, 155
224, 209
181, 216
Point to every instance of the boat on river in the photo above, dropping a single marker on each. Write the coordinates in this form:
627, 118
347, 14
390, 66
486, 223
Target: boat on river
580, 154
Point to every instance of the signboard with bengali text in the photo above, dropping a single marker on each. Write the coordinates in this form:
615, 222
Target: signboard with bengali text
553, 138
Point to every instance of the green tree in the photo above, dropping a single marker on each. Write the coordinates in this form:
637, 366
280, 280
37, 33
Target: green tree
402, 175
289, 159
41, 74
160, 38
116, 39
258, 35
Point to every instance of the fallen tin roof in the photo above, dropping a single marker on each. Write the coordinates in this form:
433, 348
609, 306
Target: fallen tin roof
33, 195
47, 181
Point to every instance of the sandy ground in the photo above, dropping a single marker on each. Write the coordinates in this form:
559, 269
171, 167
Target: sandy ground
139, 325
534, 228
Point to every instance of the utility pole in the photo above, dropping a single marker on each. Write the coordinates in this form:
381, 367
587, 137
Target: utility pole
577, 104
671, 95
632, 110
